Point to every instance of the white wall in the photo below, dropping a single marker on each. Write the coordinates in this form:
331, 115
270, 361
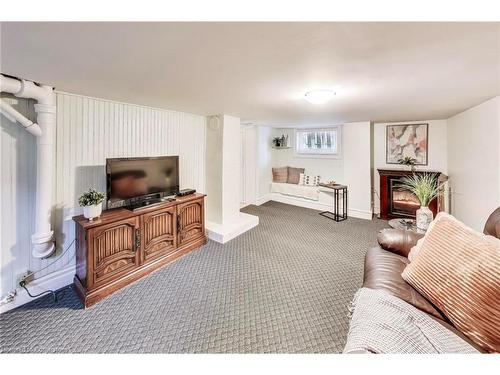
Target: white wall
17, 194
88, 131
474, 162
231, 164
249, 175
264, 162
213, 202
356, 155
436, 157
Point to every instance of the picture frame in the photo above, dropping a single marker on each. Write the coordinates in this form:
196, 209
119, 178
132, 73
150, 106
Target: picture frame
407, 140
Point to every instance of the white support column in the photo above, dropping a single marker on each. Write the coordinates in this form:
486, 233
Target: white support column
224, 220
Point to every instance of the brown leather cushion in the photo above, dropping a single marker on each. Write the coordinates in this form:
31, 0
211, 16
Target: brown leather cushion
280, 174
398, 241
492, 226
383, 271
294, 175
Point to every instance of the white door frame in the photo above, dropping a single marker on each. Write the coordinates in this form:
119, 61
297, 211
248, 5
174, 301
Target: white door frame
249, 165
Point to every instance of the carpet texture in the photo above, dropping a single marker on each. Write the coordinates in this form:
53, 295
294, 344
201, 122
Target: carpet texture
282, 287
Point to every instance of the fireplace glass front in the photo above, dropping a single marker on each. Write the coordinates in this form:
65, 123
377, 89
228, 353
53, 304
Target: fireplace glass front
402, 202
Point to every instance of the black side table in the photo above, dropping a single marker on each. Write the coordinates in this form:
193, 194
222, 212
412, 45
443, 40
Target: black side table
339, 193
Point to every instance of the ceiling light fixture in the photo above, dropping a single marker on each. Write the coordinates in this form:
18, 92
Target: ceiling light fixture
319, 96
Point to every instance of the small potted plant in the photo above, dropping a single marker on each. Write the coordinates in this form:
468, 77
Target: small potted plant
408, 161
425, 188
277, 142
91, 201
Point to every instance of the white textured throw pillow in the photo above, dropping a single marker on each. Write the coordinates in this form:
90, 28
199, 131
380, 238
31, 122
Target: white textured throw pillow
301, 179
307, 180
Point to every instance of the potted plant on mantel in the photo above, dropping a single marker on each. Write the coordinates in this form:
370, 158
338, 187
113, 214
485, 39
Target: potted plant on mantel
91, 201
425, 188
408, 161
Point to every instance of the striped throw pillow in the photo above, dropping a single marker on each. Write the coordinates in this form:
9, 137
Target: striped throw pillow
280, 174
458, 270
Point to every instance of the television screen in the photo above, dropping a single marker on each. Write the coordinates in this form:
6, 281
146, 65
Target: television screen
131, 178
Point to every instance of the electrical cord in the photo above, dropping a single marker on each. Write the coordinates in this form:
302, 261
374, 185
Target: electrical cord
50, 264
22, 283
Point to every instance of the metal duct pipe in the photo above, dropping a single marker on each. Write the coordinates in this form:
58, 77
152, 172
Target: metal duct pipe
14, 116
42, 239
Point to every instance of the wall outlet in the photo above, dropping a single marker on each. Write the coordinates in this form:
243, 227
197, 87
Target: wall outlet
9, 297
26, 276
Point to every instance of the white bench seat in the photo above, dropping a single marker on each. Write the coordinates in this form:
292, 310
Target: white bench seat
301, 191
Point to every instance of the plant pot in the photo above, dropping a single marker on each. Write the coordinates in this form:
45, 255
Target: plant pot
424, 217
92, 212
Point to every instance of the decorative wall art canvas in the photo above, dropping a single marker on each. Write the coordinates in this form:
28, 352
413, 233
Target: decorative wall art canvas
407, 140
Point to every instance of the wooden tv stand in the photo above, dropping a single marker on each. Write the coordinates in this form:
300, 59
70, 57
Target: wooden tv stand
123, 245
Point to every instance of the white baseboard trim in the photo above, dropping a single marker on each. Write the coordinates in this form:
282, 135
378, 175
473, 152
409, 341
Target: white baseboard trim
359, 214
314, 205
262, 200
224, 233
301, 202
53, 281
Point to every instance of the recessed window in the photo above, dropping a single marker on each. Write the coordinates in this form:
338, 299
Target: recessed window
318, 141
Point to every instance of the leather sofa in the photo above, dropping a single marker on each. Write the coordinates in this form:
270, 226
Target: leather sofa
385, 263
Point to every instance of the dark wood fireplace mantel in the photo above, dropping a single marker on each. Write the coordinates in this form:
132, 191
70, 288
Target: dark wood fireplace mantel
397, 203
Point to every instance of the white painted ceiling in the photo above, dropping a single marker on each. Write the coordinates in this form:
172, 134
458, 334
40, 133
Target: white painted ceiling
260, 71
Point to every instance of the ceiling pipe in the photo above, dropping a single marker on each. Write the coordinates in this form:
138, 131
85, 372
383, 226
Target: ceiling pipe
43, 238
10, 85
13, 115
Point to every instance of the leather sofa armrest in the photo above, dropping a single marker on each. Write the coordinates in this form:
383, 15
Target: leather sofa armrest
398, 241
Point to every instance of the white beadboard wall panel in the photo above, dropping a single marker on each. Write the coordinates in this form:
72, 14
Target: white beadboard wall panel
17, 193
89, 130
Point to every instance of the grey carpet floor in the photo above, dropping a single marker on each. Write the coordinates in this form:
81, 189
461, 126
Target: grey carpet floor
282, 287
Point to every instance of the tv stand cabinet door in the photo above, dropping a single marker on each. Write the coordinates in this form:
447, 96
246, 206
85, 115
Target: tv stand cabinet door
113, 251
159, 235
191, 221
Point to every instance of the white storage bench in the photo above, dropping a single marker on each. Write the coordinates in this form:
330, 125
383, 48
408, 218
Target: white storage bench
295, 190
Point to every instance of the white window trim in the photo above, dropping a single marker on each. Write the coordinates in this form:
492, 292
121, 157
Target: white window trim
338, 155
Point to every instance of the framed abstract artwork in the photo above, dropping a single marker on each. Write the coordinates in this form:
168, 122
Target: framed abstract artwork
407, 140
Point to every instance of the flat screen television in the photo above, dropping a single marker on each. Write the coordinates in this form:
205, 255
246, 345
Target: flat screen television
133, 182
